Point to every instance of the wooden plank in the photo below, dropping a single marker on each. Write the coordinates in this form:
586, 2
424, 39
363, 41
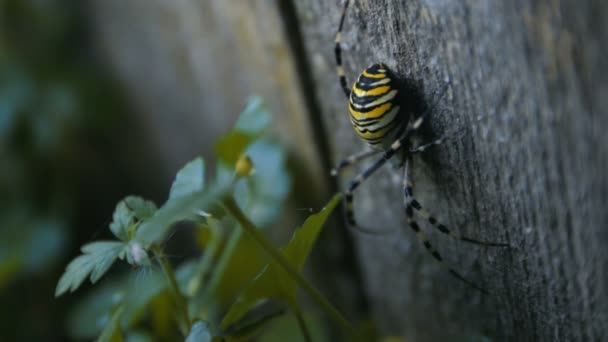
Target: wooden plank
528, 87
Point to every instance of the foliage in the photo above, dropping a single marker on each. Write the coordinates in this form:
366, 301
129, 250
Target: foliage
52, 120
215, 296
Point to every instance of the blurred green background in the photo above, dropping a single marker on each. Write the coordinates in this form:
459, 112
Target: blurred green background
69, 150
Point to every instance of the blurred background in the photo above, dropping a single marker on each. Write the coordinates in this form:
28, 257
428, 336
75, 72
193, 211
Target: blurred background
100, 99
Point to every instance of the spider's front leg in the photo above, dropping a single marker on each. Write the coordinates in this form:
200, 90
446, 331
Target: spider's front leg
361, 177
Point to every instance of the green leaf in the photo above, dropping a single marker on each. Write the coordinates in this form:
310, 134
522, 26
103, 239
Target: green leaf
135, 292
252, 122
112, 331
255, 118
250, 329
155, 229
122, 219
129, 210
190, 179
262, 196
187, 198
199, 333
230, 146
141, 208
275, 283
286, 328
96, 260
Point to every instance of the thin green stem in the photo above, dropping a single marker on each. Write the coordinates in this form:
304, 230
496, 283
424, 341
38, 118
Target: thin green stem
185, 323
278, 257
302, 323
205, 265
223, 261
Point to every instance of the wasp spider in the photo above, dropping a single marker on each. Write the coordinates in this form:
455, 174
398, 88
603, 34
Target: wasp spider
374, 103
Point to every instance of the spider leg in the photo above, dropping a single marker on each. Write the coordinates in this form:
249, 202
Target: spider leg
422, 236
351, 160
424, 147
413, 203
362, 176
439, 141
338, 53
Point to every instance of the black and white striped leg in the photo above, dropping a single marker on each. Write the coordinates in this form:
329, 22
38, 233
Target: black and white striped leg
441, 140
408, 193
409, 211
338, 53
361, 177
424, 147
351, 160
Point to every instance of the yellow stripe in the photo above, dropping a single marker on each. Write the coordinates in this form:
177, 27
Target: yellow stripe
366, 74
371, 92
373, 114
383, 99
374, 135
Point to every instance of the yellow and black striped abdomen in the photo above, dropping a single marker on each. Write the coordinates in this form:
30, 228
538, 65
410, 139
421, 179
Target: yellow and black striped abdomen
374, 107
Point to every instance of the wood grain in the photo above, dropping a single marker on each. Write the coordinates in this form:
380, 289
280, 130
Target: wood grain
528, 85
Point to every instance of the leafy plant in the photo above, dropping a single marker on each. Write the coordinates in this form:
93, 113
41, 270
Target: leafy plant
214, 296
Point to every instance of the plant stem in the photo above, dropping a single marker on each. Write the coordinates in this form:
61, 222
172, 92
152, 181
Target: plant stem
180, 300
223, 261
302, 323
278, 257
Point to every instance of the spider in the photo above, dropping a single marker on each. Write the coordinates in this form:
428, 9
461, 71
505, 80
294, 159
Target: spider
374, 103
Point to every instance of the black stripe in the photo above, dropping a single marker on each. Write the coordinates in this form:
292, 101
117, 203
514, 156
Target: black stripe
388, 133
365, 123
442, 228
414, 226
368, 83
363, 100
364, 130
369, 109
416, 205
337, 51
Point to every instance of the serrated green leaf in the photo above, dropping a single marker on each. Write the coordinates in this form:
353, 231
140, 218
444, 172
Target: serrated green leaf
122, 219
112, 332
199, 333
96, 260
190, 179
155, 229
274, 282
127, 212
141, 208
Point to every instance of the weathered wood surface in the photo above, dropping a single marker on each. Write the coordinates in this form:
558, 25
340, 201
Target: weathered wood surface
529, 88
